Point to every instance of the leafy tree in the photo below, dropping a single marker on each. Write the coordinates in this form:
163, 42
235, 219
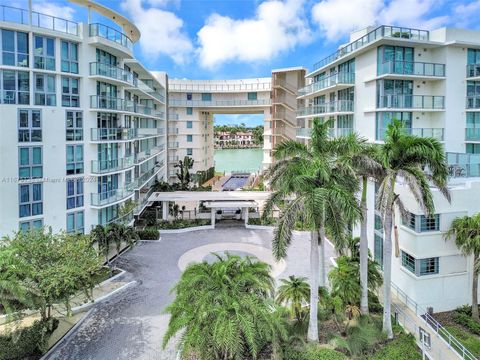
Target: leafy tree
119, 234
257, 135
183, 174
100, 236
406, 156
294, 292
466, 231
230, 315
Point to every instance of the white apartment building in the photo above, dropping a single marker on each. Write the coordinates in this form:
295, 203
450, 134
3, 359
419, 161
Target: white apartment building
84, 123
431, 81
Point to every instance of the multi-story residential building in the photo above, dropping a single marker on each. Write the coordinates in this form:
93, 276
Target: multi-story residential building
429, 80
241, 138
84, 127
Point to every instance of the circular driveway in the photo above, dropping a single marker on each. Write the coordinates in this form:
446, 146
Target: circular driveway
131, 324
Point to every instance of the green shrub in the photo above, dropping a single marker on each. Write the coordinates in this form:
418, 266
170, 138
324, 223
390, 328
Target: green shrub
260, 221
148, 234
465, 320
150, 217
182, 224
31, 341
464, 309
401, 348
312, 353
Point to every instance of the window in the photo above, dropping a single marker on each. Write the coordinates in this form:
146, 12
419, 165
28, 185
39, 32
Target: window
384, 118
378, 249
74, 125
429, 266
408, 262
75, 222
30, 163
422, 223
189, 138
15, 86
45, 90
189, 124
74, 159
206, 97
70, 92
44, 53
189, 111
252, 96
394, 59
29, 126
189, 151
30, 200
409, 221
189, 96
378, 222
69, 57
14, 47
30, 225
472, 148
473, 56
74, 193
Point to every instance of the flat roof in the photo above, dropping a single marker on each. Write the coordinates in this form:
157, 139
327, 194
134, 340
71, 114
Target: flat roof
209, 196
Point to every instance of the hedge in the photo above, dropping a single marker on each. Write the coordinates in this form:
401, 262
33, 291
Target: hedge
312, 353
148, 234
26, 342
182, 224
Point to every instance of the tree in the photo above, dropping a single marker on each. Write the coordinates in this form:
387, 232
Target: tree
257, 135
119, 234
183, 174
309, 188
466, 231
294, 292
103, 239
230, 315
406, 156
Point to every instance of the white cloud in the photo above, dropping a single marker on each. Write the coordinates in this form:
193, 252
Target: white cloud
54, 9
161, 31
278, 26
336, 18
466, 15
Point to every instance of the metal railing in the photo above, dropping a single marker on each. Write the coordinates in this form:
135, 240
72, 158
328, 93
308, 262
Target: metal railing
332, 132
173, 159
113, 134
141, 181
327, 82
111, 34
148, 89
218, 103
436, 133
326, 108
105, 166
463, 165
411, 68
412, 102
149, 153
472, 134
118, 104
112, 72
173, 145
473, 70
205, 87
21, 16
379, 32
109, 197
173, 117
304, 133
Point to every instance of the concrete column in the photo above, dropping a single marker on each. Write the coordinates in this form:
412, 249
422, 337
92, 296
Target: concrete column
165, 210
213, 216
246, 217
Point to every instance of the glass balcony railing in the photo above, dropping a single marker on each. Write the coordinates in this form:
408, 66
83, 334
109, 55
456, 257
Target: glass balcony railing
113, 134
105, 166
218, 103
472, 134
44, 21
149, 153
327, 108
412, 68
304, 133
205, 87
173, 159
473, 70
473, 102
142, 180
109, 197
333, 132
327, 82
149, 90
436, 133
411, 102
111, 34
112, 103
110, 71
379, 32
463, 165
173, 145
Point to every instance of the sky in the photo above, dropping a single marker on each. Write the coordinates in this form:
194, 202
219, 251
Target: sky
229, 39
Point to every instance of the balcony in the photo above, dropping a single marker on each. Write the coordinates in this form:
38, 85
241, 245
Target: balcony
436, 133
473, 70
113, 134
463, 165
172, 131
173, 145
112, 72
335, 80
205, 87
143, 179
473, 102
107, 166
173, 159
110, 197
117, 104
472, 134
423, 102
408, 68
148, 90
108, 33
339, 106
39, 20
306, 133
218, 103
148, 154
380, 32
150, 132
173, 117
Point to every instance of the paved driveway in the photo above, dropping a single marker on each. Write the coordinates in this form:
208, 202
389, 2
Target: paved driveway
131, 325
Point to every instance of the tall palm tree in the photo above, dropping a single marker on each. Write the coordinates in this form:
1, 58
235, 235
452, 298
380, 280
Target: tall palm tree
99, 236
294, 292
230, 315
115, 235
466, 231
308, 188
407, 157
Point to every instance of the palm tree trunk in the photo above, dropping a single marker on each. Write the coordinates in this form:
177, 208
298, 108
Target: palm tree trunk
387, 273
475, 288
364, 250
313, 322
322, 239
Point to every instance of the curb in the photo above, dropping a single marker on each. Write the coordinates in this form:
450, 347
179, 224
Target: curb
185, 230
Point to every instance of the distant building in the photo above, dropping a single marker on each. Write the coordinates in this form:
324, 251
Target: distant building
224, 139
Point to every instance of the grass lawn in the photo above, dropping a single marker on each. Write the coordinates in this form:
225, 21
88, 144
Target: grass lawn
403, 347
470, 341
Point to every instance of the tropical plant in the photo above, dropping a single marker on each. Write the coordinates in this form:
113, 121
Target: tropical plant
120, 234
466, 231
294, 292
183, 173
230, 315
407, 157
310, 188
100, 236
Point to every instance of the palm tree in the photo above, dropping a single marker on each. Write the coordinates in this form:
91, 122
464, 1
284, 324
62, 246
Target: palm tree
309, 189
230, 315
183, 174
406, 156
99, 236
114, 233
466, 231
294, 292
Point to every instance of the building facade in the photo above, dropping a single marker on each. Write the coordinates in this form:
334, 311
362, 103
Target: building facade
84, 123
429, 80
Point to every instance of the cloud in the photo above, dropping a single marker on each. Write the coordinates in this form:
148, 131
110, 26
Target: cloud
337, 18
466, 15
162, 31
277, 26
54, 9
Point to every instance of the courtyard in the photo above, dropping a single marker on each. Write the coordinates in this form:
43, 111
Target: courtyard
131, 324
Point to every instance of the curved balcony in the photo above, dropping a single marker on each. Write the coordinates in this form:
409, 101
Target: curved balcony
412, 68
117, 104
108, 166
108, 33
110, 197
338, 80
113, 134
423, 102
339, 106
112, 72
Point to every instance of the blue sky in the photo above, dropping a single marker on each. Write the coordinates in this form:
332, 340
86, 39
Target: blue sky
228, 39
